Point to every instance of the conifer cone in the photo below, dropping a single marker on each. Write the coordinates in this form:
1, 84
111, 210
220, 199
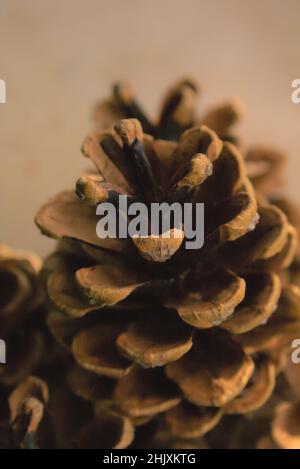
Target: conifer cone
165, 339
22, 313
22, 328
283, 431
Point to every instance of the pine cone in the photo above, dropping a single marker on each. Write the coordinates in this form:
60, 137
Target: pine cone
164, 337
23, 332
22, 311
284, 429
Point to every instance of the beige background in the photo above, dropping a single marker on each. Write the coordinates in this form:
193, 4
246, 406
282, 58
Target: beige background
59, 56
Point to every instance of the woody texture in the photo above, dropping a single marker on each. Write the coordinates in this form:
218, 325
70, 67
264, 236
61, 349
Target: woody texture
26, 350
163, 346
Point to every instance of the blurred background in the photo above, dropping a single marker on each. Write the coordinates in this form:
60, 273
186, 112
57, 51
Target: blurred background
58, 57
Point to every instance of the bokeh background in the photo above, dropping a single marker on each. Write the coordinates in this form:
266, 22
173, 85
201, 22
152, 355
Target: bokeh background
60, 56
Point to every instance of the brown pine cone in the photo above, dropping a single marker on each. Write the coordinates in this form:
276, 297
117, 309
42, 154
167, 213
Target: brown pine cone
22, 314
284, 428
22, 330
163, 337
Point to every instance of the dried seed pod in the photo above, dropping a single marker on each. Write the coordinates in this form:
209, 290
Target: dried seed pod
145, 318
21, 312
